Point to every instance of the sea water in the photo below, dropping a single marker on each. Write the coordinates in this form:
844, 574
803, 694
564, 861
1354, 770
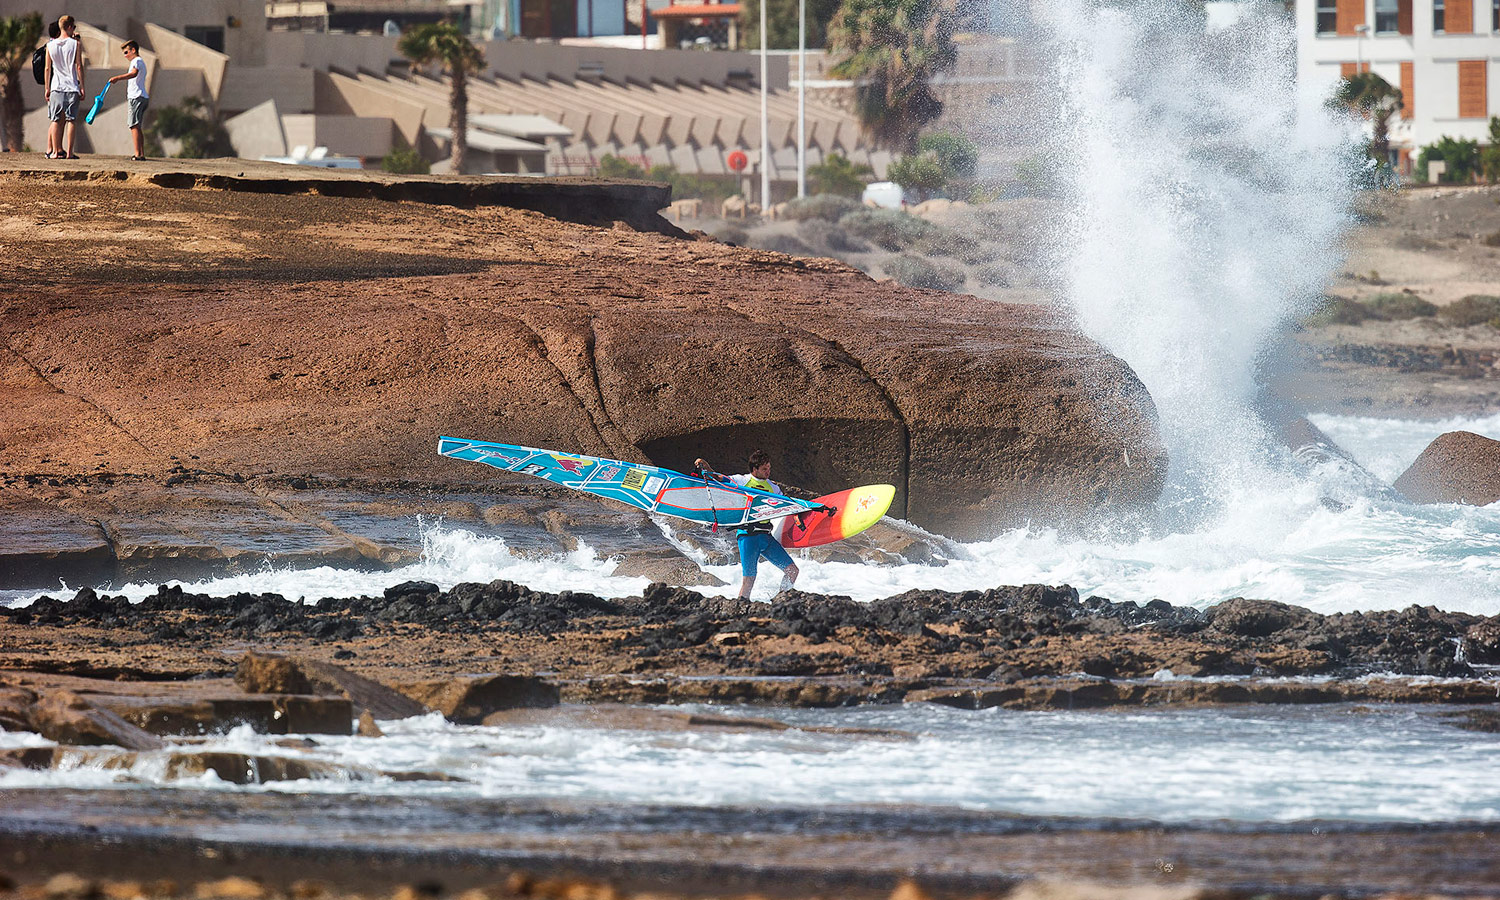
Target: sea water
1247, 764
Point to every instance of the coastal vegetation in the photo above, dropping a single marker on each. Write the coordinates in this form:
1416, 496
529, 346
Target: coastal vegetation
445, 44
837, 175
1372, 97
892, 49
18, 37
704, 187
195, 129
405, 161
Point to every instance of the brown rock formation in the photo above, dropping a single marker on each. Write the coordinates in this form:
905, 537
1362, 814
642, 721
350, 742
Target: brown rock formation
246, 333
268, 674
67, 718
1458, 467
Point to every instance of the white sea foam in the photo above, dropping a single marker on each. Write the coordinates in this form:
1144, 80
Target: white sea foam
1245, 764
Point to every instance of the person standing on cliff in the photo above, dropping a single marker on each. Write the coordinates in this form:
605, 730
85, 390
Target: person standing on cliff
136, 97
755, 538
63, 88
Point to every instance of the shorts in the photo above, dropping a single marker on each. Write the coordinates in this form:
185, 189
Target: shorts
136, 111
63, 106
757, 544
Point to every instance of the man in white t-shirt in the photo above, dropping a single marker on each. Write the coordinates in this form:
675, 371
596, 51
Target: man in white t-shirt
135, 96
63, 85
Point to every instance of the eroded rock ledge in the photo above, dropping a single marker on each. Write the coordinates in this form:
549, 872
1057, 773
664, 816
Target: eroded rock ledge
1005, 646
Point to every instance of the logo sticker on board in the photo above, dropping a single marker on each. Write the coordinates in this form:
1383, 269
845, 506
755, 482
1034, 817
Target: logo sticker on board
634, 480
576, 466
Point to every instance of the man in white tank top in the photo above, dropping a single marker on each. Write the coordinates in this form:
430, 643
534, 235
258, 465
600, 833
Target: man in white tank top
64, 87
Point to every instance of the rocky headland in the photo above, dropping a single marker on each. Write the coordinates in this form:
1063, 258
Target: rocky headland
210, 367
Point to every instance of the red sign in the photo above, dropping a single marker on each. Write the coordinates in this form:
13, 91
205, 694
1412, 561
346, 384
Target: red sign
738, 161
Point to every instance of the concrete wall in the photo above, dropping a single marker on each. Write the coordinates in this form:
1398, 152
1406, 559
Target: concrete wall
524, 59
177, 52
341, 95
244, 42
257, 132
1434, 58
349, 52
361, 136
291, 88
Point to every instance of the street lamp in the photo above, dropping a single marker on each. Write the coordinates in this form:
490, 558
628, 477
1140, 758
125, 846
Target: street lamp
1359, 47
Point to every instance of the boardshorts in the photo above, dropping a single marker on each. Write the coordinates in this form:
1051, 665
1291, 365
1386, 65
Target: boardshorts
757, 544
62, 106
137, 111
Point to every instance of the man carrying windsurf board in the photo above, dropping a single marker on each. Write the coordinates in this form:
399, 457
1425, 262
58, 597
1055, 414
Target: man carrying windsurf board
755, 538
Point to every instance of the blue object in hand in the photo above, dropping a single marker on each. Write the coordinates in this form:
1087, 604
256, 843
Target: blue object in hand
98, 105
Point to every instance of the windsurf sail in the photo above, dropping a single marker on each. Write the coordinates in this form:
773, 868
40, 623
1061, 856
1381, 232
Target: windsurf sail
650, 488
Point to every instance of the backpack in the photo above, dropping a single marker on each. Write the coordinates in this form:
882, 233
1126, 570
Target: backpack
39, 64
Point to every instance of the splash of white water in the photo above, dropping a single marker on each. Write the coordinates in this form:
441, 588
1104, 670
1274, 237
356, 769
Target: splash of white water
1209, 197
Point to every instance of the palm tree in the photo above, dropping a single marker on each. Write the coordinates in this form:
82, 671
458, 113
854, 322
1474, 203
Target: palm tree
444, 43
1375, 98
892, 49
18, 37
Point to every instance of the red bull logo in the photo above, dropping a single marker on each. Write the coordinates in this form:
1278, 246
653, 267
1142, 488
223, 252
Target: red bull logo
576, 466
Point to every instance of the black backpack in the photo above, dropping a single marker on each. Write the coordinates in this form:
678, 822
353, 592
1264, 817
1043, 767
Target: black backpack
39, 64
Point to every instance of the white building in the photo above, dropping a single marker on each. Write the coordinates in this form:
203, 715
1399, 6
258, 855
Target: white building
1444, 55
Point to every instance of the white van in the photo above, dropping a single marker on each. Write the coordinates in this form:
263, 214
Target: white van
884, 194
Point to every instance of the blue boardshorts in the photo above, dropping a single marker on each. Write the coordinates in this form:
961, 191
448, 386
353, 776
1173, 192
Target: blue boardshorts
754, 546
62, 106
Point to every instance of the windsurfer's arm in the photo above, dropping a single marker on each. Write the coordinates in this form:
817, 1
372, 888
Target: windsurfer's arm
706, 470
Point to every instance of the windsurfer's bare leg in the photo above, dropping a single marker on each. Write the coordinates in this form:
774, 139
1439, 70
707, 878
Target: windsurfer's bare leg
746, 585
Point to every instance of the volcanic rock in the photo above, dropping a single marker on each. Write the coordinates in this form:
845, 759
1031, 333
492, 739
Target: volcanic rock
268, 674
67, 718
466, 700
635, 345
1458, 467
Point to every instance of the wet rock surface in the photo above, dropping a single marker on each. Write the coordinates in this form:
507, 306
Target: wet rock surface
1457, 467
671, 644
604, 339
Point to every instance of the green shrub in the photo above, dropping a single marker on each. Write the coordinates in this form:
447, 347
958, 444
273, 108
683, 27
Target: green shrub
1399, 306
1475, 309
1489, 157
1339, 311
193, 124
1039, 175
837, 175
891, 229
956, 154
732, 235
703, 187
994, 275
611, 166
960, 246
784, 243
920, 173
828, 207
405, 161
821, 233
914, 271
1461, 156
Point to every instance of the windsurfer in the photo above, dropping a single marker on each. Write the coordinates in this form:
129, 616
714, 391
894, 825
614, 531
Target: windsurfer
755, 538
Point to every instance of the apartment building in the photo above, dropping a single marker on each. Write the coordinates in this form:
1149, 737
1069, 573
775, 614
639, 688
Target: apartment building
1444, 55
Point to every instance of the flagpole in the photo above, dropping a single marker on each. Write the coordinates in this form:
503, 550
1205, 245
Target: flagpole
801, 98
765, 120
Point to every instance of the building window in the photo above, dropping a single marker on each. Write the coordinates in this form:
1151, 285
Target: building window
1328, 16
1437, 16
1386, 16
210, 36
1472, 102
1494, 15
